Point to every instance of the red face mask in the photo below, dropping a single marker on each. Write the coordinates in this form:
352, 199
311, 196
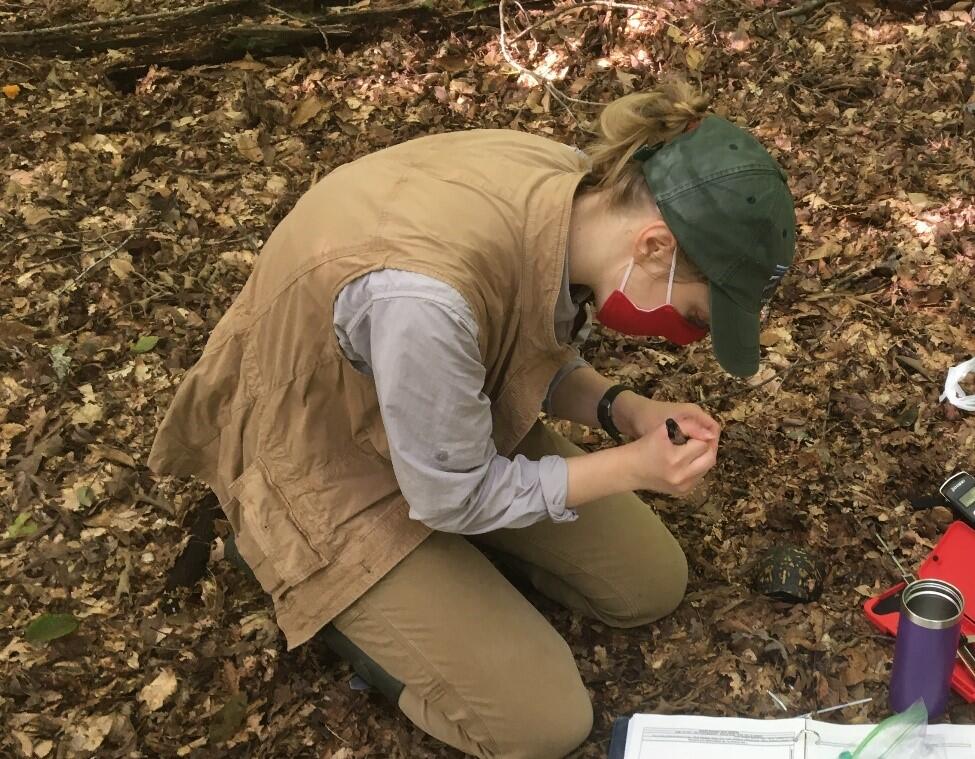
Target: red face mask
623, 315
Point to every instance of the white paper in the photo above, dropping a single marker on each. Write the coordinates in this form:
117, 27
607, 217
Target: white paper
665, 736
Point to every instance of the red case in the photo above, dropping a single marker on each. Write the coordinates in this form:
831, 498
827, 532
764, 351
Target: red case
952, 560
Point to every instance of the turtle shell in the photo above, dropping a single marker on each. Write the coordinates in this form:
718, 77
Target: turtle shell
790, 574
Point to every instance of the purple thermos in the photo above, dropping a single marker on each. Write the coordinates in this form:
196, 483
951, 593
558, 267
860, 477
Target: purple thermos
926, 646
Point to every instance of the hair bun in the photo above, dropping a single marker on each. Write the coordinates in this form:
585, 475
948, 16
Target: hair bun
642, 118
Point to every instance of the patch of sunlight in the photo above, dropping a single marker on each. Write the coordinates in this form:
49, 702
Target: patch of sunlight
553, 67
638, 24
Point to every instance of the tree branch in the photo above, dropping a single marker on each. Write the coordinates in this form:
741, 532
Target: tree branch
214, 8
801, 9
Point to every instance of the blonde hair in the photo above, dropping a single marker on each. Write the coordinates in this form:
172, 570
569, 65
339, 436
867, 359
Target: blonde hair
631, 122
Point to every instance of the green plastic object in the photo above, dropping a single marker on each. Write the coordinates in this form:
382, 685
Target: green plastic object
897, 737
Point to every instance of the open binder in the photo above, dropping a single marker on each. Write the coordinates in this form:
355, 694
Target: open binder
665, 736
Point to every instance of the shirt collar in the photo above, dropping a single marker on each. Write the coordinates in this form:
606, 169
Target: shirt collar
570, 299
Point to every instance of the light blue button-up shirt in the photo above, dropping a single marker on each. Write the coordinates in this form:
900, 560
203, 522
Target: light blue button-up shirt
417, 337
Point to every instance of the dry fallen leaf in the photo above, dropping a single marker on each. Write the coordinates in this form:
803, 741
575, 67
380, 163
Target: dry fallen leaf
307, 109
34, 215
88, 413
90, 734
121, 267
11, 90
154, 694
248, 146
920, 201
26, 745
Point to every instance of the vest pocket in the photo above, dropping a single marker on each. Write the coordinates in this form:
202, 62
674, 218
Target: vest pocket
268, 536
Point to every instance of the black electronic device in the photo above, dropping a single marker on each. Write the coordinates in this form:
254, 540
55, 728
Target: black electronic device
959, 491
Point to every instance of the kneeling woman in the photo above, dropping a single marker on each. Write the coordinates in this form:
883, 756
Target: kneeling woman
367, 409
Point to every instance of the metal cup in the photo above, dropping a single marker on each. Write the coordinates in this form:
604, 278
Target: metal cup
926, 646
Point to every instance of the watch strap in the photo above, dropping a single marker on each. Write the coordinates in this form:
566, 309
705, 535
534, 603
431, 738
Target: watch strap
604, 411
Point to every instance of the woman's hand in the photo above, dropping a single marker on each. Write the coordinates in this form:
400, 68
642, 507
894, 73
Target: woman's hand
651, 461
655, 463
663, 466
637, 417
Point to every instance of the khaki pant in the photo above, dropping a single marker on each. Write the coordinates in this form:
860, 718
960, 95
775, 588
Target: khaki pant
482, 669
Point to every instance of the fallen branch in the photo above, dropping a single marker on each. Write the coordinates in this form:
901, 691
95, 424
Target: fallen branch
215, 8
266, 38
303, 20
801, 9
157, 32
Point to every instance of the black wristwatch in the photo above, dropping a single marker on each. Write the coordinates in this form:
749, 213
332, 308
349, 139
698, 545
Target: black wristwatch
604, 411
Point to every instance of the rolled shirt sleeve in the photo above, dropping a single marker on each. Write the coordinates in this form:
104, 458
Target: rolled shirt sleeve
418, 339
564, 371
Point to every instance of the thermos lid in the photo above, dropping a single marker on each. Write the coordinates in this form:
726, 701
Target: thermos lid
932, 604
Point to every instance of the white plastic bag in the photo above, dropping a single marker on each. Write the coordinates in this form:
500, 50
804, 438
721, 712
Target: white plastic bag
953, 392
901, 736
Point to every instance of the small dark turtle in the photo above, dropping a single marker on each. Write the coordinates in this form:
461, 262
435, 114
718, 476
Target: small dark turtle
787, 573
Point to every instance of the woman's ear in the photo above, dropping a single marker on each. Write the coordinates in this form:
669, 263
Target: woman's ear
654, 245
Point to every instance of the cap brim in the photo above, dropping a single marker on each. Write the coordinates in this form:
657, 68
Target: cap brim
734, 335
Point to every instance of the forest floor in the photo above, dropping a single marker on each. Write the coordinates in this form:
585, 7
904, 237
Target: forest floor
133, 203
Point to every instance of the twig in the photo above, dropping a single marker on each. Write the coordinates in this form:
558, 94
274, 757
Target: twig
215, 7
139, 301
557, 13
301, 20
17, 63
783, 377
144, 497
913, 363
63, 242
908, 577
801, 9
575, 6
561, 98
255, 246
834, 708
778, 701
521, 7
70, 284
626, 6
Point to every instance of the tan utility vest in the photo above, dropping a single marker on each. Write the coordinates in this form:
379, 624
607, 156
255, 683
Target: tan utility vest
283, 428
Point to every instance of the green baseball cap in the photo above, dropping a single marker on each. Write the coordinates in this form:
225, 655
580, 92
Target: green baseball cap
727, 202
